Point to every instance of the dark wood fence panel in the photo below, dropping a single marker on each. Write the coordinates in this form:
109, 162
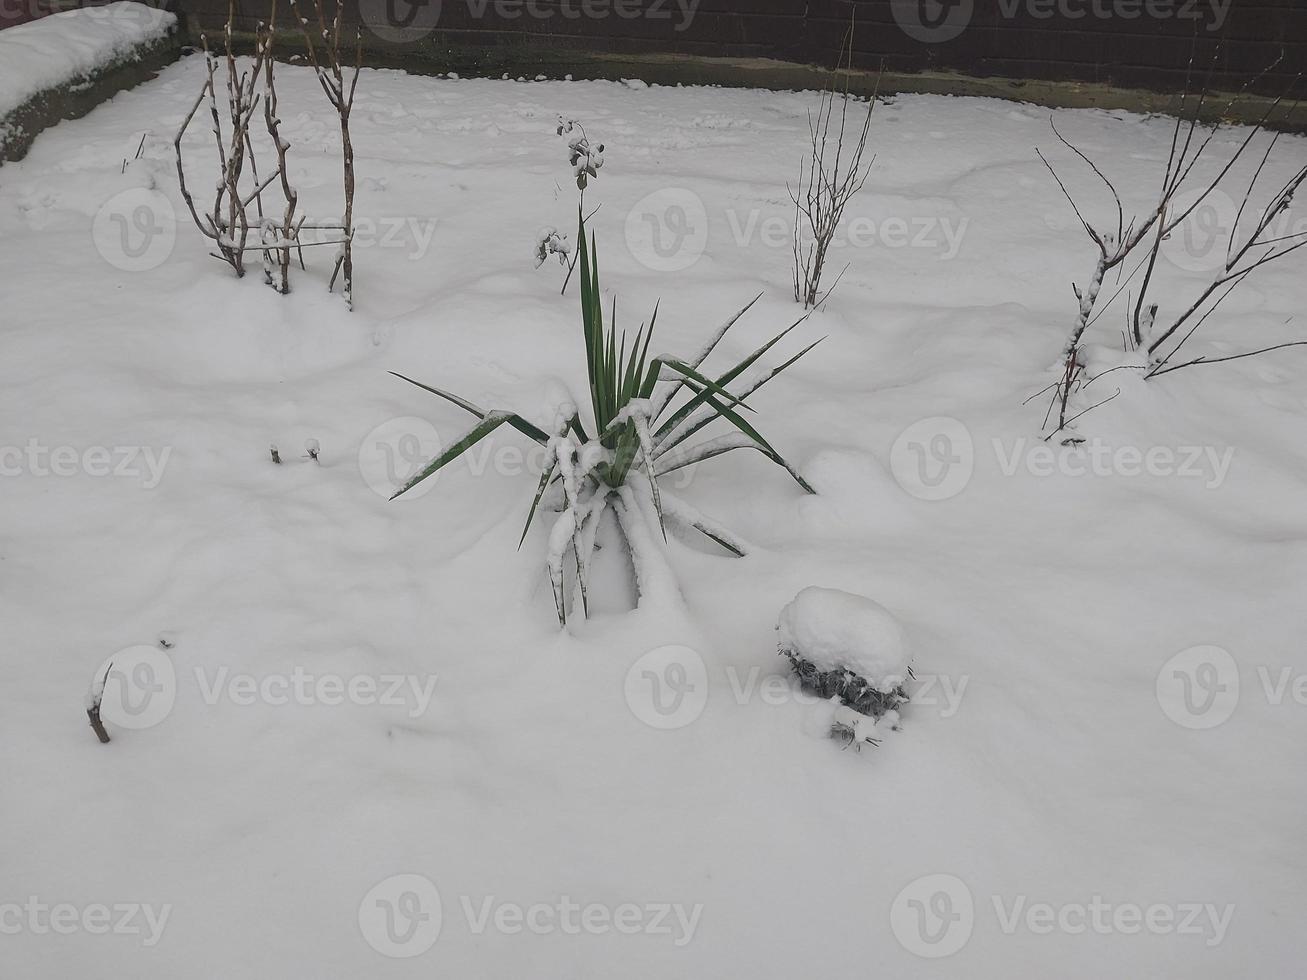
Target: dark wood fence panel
1145, 44
1129, 43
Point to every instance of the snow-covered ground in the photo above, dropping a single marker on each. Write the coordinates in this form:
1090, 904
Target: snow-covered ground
645, 794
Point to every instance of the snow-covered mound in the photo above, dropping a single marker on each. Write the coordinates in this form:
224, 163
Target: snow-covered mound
836, 630
69, 46
1079, 743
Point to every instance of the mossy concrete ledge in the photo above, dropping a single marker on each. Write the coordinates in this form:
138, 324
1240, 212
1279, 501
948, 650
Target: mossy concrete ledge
75, 98
531, 58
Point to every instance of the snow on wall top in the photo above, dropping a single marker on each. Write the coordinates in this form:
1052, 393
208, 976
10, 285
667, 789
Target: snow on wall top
836, 630
71, 45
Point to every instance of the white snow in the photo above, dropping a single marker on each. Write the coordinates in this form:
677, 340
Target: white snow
1035, 761
71, 45
837, 630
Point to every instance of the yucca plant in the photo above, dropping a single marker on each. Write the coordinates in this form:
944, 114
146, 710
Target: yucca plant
637, 436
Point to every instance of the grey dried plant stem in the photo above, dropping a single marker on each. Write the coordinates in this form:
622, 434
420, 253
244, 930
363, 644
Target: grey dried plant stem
1244, 254
227, 223
277, 272
831, 173
324, 56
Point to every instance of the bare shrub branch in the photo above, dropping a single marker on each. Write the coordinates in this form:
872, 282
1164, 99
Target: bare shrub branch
228, 222
829, 176
324, 56
1244, 254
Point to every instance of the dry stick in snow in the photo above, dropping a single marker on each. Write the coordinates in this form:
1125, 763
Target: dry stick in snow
97, 725
181, 168
279, 243
94, 701
288, 230
241, 103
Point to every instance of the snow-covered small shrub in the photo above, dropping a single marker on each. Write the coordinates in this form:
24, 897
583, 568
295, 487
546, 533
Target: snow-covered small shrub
851, 649
636, 437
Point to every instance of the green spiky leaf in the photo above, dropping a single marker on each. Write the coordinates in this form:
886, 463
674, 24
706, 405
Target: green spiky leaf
491, 422
516, 421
